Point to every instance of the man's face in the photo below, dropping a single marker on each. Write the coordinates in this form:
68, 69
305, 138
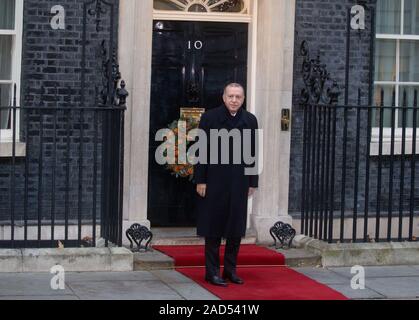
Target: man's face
233, 99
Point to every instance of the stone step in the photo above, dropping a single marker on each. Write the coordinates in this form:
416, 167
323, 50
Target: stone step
187, 236
189, 241
155, 260
298, 258
152, 260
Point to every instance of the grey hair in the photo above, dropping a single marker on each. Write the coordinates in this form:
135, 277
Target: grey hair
234, 85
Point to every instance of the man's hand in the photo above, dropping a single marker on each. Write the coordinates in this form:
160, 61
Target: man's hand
252, 191
202, 190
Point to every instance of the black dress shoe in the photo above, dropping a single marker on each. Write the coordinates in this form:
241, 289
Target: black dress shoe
233, 278
216, 281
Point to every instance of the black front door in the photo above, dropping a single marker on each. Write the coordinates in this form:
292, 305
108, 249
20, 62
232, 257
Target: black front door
192, 62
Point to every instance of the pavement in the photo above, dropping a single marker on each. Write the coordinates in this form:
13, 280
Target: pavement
390, 282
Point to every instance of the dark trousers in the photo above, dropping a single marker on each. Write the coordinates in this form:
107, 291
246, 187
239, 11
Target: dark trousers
212, 256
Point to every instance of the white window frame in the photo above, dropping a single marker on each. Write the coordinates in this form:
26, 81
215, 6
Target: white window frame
375, 139
246, 16
17, 34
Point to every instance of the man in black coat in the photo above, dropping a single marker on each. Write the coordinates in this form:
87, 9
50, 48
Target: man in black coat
224, 187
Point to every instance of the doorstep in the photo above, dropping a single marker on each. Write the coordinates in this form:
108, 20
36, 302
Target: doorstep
155, 260
187, 236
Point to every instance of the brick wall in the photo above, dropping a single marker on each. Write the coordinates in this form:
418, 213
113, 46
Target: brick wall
51, 76
323, 24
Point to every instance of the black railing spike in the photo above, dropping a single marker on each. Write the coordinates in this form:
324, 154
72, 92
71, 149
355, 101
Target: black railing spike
359, 96
14, 95
415, 98
382, 98
404, 98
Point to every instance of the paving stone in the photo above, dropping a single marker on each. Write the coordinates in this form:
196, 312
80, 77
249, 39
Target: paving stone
192, 291
57, 297
395, 287
324, 276
380, 272
171, 276
110, 276
124, 290
350, 293
27, 284
171, 285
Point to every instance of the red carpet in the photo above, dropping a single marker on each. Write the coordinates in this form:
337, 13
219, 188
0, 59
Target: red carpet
263, 270
250, 255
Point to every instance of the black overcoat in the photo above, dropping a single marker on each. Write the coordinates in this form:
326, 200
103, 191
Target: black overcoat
223, 211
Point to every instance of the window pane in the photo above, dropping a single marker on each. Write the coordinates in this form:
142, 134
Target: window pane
380, 92
5, 90
200, 5
409, 61
385, 57
410, 96
389, 16
5, 57
168, 5
411, 17
7, 14
229, 6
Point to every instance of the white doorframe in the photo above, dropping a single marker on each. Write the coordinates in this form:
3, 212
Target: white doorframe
251, 20
270, 80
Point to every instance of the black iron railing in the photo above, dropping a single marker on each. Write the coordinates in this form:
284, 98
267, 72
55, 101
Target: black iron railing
360, 171
61, 173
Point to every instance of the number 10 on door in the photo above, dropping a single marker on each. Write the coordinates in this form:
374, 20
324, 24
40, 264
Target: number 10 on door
197, 45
